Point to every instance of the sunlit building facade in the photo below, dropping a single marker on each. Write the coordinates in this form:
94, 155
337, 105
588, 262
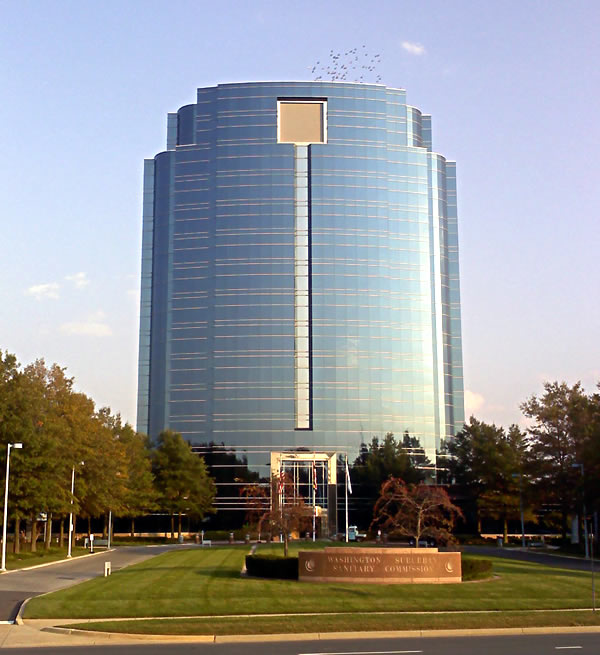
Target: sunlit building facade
300, 281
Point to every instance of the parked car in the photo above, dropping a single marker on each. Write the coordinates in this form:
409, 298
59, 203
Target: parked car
355, 535
423, 543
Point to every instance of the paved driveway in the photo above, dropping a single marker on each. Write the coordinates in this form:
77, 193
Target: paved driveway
561, 561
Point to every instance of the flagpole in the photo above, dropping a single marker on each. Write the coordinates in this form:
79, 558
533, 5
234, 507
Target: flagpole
346, 487
314, 480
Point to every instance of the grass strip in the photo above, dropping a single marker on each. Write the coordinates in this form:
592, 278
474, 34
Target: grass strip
349, 623
26, 558
207, 582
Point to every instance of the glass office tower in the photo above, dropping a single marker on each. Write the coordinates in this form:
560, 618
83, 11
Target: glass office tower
300, 283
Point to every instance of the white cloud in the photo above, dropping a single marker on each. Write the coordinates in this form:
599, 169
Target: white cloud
413, 48
40, 291
93, 326
473, 402
80, 280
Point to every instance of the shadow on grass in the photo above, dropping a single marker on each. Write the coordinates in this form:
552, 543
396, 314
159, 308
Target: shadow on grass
350, 591
540, 570
207, 573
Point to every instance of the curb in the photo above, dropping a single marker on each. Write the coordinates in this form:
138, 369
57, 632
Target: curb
58, 561
322, 636
201, 639
19, 617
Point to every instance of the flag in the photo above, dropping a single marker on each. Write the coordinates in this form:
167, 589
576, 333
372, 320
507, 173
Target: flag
348, 477
314, 472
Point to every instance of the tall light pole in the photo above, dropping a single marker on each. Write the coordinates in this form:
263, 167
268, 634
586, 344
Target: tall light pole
69, 547
518, 475
593, 576
9, 446
585, 530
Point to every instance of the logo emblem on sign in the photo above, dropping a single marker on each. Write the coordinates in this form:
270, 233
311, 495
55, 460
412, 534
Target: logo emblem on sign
449, 567
309, 565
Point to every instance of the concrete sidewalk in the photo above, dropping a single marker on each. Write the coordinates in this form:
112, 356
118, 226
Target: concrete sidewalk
19, 636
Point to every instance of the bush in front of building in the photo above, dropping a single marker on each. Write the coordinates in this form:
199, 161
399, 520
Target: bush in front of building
476, 569
272, 566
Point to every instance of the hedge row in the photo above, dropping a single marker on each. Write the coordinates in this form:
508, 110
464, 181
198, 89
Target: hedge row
272, 566
476, 569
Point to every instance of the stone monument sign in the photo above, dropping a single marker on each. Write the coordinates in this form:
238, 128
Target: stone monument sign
379, 565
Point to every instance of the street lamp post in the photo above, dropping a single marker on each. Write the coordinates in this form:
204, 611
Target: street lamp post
10, 445
593, 575
518, 475
69, 547
585, 530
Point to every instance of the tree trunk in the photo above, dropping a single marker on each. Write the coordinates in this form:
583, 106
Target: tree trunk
48, 543
132, 527
62, 532
505, 531
104, 528
172, 525
479, 525
17, 544
285, 544
179, 526
34, 535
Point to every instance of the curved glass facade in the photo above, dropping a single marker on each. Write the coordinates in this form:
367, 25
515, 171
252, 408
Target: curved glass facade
300, 294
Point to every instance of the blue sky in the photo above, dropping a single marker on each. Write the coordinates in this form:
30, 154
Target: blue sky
513, 87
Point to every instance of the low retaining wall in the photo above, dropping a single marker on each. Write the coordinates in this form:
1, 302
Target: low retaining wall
379, 566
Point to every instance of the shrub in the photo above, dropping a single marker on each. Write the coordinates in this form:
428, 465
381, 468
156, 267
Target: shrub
476, 569
272, 566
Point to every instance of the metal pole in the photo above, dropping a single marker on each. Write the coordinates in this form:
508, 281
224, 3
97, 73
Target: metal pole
585, 531
593, 577
5, 509
314, 479
521, 507
71, 512
346, 485
109, 528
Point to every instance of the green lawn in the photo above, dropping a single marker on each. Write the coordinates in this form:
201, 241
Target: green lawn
348, 623
26, 558
207, 582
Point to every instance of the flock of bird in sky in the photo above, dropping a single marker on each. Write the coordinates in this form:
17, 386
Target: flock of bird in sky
355, 65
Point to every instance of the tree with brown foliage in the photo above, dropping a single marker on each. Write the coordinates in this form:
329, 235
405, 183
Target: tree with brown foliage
288, 511
256, 500
415, 510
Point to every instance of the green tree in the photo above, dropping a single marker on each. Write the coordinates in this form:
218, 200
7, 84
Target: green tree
102, 482
140, 493
563, 424
591, 457
182, 480
43, 470
14, 427
485, 464
375, 464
